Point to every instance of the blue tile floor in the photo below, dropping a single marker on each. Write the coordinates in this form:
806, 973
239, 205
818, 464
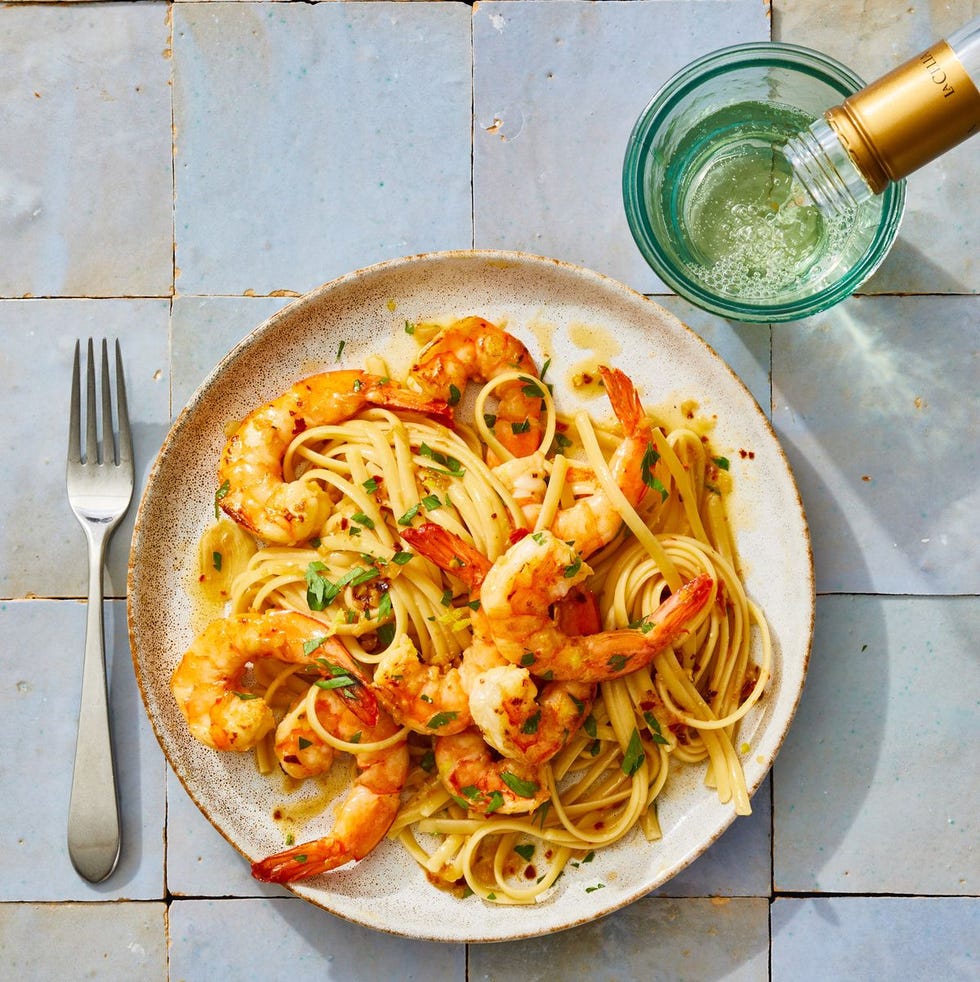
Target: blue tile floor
174, 173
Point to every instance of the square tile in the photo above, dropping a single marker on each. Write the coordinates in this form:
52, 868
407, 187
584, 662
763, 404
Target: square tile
654, 938
557, 89
739, 864
259, 938
200, 861
873, 402
43, 548
86, 169
357, 152
866, 939
74, 941
204, 330
41, 662
874, 789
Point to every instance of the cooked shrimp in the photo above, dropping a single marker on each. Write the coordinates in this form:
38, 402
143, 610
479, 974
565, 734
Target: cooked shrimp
474, 349
483, 783
433, 699
253, 489
208, 682
299, 749
426, 698
541, 570
366, 814
450, 553
593, 521
526, 478
522, 723
516, 718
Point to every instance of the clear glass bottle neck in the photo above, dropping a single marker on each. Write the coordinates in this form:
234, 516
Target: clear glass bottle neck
826, 170
893, 126
966, 46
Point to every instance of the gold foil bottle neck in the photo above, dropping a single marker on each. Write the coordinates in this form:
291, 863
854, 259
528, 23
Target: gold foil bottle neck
908, 117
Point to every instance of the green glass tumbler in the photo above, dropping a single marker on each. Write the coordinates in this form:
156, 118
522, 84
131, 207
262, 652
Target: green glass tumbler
712, 201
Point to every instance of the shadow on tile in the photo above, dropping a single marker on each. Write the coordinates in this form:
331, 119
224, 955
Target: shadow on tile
905, 264
830, 761
821, 706
869, 404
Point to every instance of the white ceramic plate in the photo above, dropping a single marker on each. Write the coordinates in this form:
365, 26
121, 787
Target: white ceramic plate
556, 309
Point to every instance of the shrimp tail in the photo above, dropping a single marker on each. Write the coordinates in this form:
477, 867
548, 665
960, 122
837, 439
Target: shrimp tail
623, 398
674, 615
449, 552
578, 613
299, 862
393, 396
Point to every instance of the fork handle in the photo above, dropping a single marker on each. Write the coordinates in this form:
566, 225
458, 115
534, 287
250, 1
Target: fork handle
93, 812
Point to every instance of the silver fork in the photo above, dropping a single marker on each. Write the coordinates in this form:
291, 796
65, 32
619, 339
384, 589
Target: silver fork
100, 488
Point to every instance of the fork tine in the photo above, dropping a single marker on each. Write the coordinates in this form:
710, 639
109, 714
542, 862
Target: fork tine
108, 430
91, 430
125, 445
75, 412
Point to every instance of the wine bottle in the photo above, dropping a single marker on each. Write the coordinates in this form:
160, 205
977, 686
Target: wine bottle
894, 126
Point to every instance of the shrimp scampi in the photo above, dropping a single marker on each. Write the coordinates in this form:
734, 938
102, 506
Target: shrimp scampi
476, 624
363, 818
253, 488
208, 682
473, 349
484, 783
541, 570
519, 718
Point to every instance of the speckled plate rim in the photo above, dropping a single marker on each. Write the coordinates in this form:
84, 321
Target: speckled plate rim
337, 325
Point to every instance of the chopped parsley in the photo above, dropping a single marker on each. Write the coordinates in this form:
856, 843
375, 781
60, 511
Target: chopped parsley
530, 725
617, 662
219, 494
634, 757
520, 787
440, 720
531, 388
449, 465
320, 591
495, 800
312, 644
654, 726
406, 519
650, 458
561, 443
431, 502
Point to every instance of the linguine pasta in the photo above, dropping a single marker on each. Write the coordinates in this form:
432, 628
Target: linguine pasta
387, 470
